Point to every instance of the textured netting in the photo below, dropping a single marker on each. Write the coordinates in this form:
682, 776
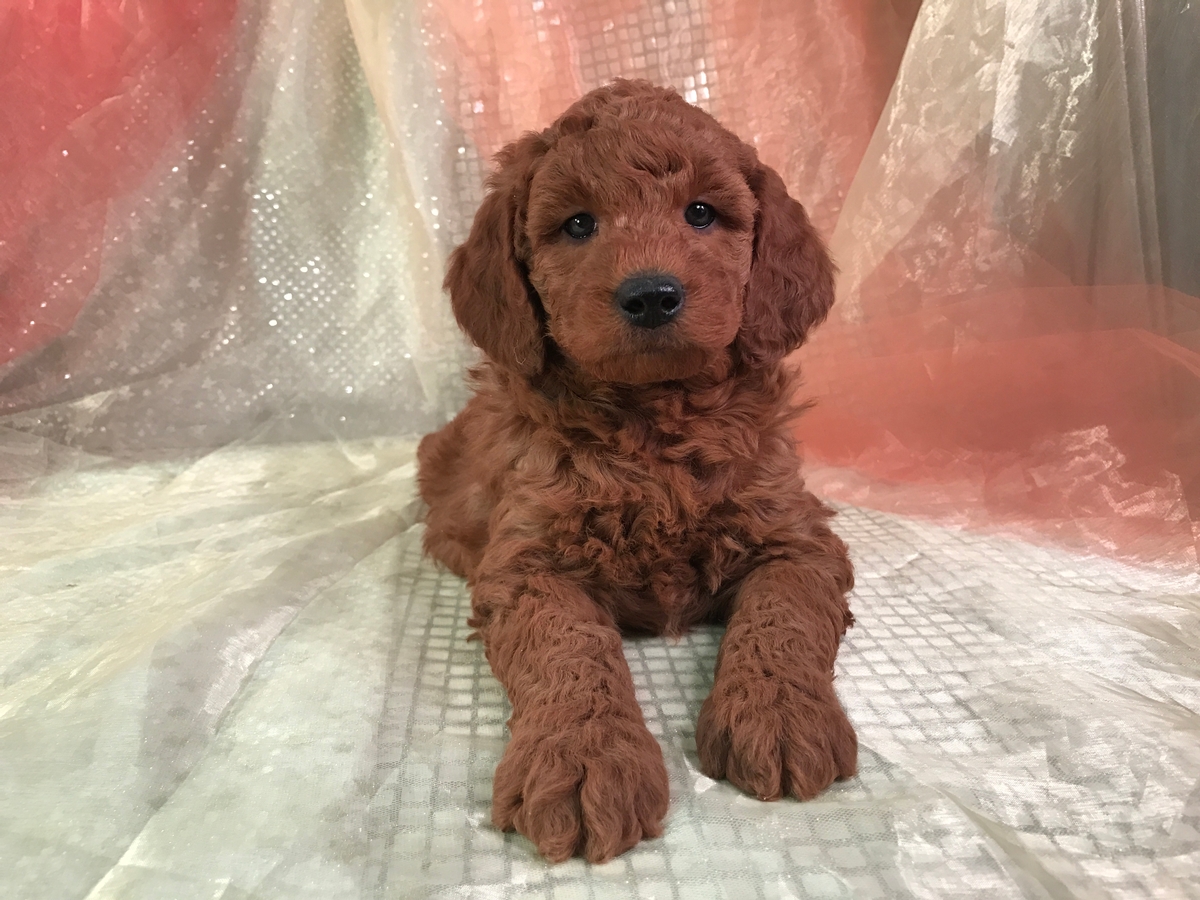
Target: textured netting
225, 670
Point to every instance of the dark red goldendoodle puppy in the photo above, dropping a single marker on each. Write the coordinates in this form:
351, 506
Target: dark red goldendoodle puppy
636, 276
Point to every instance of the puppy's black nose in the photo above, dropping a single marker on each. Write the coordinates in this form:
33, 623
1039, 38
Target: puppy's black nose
648, 301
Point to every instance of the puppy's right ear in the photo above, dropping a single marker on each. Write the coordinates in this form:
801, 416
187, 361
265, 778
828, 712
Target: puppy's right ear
487, 276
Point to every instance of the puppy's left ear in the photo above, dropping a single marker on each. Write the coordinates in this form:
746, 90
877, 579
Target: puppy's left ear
791, 284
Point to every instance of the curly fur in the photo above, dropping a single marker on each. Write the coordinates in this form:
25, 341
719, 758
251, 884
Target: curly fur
605, 478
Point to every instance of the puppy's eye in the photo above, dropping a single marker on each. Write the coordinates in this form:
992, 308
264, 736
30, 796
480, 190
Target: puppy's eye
579, 226
699, 215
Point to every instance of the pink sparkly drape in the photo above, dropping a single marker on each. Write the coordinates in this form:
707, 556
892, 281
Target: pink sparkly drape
1008, 188
90, 90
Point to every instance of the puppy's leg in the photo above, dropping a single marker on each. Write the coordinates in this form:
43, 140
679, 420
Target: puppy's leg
453, 490
773, 724
581, 774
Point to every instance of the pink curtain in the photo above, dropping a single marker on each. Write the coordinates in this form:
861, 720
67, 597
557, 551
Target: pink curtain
1009, 190
90, 90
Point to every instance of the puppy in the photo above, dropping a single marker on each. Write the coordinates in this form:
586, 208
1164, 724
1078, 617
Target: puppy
635, 277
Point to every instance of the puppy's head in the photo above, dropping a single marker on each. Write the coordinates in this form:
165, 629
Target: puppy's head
644, 240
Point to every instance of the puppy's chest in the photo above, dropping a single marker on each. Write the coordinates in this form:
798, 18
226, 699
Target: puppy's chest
643, 519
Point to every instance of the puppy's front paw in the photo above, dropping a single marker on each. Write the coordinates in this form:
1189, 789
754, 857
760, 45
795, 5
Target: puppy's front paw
593, 789
772, 737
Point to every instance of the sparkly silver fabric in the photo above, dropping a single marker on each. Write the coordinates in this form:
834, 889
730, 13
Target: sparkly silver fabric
268, 280
226, 672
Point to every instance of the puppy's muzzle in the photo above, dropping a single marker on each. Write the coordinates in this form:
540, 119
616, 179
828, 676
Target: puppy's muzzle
649, 301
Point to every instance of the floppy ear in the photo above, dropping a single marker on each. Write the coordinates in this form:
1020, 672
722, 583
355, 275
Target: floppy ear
791, 277
487, 276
